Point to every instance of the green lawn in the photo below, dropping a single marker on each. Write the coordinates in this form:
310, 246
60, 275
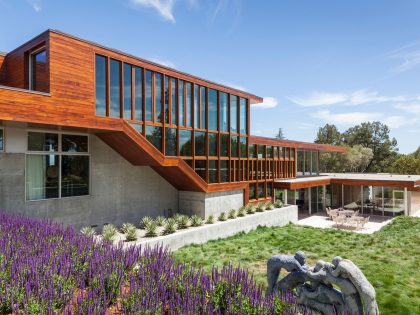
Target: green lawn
389, 258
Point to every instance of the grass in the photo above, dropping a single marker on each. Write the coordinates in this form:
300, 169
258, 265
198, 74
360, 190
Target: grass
390, 258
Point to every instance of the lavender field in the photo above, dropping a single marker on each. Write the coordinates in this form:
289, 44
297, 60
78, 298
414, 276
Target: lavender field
46, 268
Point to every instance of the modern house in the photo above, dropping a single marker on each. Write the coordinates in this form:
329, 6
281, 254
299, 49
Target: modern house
91, 135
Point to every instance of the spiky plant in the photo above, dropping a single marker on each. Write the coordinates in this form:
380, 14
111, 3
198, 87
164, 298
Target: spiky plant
222, 217
183, 222
278, 204
160, 221
260, 207
131, 233
170, 226
109, 232
210, 219
145, 222
126, 226
232, 214
151, 229
241, 212
250, 209
269, 205
88, 231
196, 220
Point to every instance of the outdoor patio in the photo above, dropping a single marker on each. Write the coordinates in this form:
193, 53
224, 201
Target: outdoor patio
321, 220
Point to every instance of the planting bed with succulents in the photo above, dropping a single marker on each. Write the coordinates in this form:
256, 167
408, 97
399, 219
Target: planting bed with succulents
46, 268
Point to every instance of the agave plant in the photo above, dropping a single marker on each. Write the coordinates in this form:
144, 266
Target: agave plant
88, 231
278, 204
160, 221
151, 229
126, 227
170, 226
232, 214
109, 232
222, 216
250, 209
241, 212
269, 205
196, 220
131, 234
145, 222
260, 207
210, 219
183, 221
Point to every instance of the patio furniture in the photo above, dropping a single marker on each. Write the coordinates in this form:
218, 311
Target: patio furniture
352, 206
358, 222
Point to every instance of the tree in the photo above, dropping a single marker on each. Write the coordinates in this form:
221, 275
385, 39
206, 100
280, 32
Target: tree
374, 135
416, 153
357, 159
280, 134
329, 134
406, 164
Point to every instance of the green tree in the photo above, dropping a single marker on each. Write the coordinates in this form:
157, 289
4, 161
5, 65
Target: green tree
329, 134
416, 153
357, 159
406, 164
280, 134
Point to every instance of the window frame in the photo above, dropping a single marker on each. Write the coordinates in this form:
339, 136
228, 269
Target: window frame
59, 153
30, 64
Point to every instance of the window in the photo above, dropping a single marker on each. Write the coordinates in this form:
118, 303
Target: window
212, 144
252, 151
269, 152
100, 85
261, 190
269, 190
170, 142
252, 191
189, 103
234, 114
138, 82
185, 145
158, 97
200, 143
127, 91
166, 97
224, 124
53, 170
38, 72
115, 89
234, 146
200, 168
224, 145
212, 109
213, 171
203, 107
261, 152
154, 136
1, 140
242, 147
224, 171
173, 100
148, 95
243, 116
196, 106
275, 153
281, 152
181, 104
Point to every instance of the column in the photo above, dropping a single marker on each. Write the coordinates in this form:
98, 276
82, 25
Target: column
405, 201
342, 195
361, 198
324, 197
285, 197
309, 200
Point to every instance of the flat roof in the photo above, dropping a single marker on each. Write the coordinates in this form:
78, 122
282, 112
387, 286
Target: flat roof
411, 182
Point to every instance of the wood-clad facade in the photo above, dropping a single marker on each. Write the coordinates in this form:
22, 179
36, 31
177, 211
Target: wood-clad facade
193, 132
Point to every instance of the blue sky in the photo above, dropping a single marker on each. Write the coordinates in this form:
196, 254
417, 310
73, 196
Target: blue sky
340, 62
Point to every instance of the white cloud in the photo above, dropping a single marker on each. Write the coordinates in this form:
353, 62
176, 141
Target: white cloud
163, 7
35, 5
269, 102
234, 86
365, 96
320, 98
408, 56
163, 62
411, 108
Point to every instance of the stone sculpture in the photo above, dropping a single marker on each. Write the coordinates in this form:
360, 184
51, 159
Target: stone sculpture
333, 288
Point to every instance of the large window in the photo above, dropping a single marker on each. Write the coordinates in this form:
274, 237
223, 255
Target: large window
196, 106
148, 95
100, 85
115, 89
212, 109
224, 145
200, 168
213, 178
200, 143
224, 171
234, 114
234, 146
212, 144
56, 168
173, 101
166, 98
1, 140
158, 97
224, 123
203, 107
188, 100
138, 73
170, 142
154, 135
243, 116
242, 147
38, 71
127, 91
185, 143
181, 103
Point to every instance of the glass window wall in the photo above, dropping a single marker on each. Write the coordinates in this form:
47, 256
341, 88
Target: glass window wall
154, 135
212, 144
213, 174
181, 104
234, 114
200, 168
100, 85
148, 95
243, 116
224, 114
170, 141
115, 89
224, 145
212, 109
158, 97
127, 91
200, 143
185, 143
138, 73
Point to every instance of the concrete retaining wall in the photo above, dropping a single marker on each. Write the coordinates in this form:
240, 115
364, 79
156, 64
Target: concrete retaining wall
202, 234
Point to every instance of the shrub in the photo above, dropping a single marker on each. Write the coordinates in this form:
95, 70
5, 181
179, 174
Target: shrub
278, 204
250, 209
145, 222
109, 232
260, 207
210, 219
151, 229
269, 205
183, 222
160, 221
131, 233
196, 220
222, 217
232, 214
170, 226
241, 212
126, 227
88, 231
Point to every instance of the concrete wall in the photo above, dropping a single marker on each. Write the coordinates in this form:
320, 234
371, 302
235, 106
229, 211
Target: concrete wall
206, 204
120, 192
414, 202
